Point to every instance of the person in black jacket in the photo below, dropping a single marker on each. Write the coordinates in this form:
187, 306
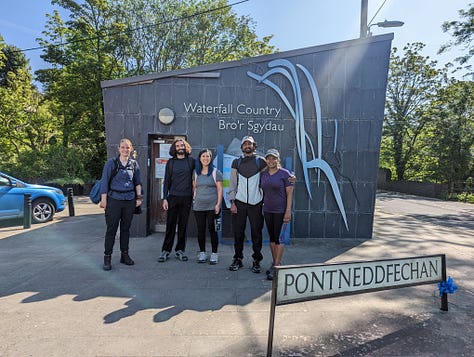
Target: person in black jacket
178, 197
121, 193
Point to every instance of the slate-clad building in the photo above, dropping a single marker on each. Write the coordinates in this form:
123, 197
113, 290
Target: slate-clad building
322, 107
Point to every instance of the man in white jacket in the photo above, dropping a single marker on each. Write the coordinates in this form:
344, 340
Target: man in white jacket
246, 199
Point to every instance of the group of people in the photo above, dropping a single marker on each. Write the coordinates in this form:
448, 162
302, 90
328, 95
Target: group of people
260, 190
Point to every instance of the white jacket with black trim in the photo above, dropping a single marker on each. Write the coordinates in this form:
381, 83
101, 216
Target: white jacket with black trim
244, 182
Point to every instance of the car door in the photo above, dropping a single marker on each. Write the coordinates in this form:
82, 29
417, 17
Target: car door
11, 199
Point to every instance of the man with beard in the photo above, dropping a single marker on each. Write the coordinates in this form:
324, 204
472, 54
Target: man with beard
246, 199
178, 197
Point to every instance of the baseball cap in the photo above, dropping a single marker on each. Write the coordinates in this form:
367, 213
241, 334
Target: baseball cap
273, 152
247, 138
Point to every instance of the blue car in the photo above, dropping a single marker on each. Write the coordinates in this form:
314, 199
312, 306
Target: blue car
45, 200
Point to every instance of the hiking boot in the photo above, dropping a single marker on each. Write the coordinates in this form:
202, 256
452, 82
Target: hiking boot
181, 256
125, 259
164, 256
202, 257
107, 262
236, 264
214, 259
256, 267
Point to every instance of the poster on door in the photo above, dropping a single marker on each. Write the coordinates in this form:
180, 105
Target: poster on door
160, 166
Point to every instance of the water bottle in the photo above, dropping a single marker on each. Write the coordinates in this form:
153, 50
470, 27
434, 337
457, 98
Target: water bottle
217, 223
282, 236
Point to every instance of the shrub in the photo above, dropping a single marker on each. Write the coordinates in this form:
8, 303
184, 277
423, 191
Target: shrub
56, 163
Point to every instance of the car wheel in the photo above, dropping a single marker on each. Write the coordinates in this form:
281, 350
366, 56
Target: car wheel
42, 210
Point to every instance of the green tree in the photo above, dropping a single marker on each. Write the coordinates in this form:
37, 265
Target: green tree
463, 33
168, 35
413, 80
2, 54
450, 134
78, 66
109, 39
25, 116
12, 60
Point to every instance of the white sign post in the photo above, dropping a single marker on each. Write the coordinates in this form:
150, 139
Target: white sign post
297, 283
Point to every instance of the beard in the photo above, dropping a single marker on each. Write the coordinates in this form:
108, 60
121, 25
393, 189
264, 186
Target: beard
181, 151
248, 150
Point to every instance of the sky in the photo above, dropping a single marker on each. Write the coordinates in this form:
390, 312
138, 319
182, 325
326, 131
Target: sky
293, 23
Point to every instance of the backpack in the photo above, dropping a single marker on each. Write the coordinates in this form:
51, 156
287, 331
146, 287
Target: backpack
94, 195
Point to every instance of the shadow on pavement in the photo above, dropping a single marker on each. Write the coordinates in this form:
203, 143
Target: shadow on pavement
59, 264
65, 258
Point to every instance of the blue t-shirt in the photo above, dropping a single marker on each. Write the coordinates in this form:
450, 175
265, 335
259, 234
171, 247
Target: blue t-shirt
274, 190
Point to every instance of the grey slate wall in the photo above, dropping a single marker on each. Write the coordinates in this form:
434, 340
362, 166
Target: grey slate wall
351, 80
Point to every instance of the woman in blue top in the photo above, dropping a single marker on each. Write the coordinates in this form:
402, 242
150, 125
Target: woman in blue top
121, 192
207, 187
277, 200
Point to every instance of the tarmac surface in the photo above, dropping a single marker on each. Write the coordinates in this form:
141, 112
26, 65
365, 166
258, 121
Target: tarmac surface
55, 299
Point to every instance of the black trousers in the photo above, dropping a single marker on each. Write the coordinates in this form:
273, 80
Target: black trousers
177, 214
203, 218
239, 220
118, 212
274, 222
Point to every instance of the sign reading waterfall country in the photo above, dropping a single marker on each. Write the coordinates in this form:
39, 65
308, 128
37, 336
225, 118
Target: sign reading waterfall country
309, 282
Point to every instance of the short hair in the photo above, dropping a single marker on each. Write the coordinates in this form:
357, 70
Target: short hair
188, 148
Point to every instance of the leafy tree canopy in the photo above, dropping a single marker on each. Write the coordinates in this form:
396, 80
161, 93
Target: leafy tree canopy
110, 39
413, 80
168, 35
12, 61
463, 34
449, 136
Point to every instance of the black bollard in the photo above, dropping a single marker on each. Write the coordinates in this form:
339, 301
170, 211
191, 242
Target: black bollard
70, 202
26, 211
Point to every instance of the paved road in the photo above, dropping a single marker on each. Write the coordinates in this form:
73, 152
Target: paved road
55, 300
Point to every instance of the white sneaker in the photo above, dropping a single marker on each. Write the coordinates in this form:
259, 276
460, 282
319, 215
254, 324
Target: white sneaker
202, 257
214, 259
